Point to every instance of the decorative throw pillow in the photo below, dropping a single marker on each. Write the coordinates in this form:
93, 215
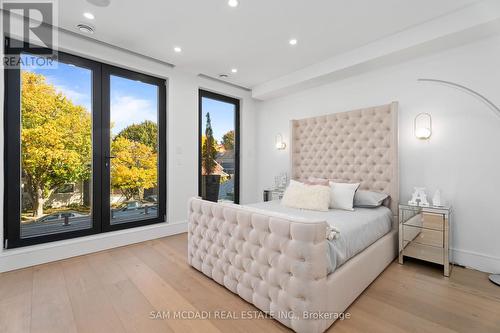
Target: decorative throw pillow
342, 195
303, 196
369, 199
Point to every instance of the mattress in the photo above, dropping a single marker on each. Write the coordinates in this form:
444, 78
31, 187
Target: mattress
358, 229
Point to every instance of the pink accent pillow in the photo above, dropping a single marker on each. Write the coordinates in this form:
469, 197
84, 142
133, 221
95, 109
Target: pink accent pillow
317, 181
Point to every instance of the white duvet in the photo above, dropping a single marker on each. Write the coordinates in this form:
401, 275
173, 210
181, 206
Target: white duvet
358, 229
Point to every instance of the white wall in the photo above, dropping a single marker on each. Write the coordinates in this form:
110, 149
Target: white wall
463, 156
182, 109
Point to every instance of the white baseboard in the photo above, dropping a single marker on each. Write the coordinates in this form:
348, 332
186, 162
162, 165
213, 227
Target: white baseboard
478, 261
43, 253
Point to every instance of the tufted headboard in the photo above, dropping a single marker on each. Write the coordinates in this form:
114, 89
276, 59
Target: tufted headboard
354, 146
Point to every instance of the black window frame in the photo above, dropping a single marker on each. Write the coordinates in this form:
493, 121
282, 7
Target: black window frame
236, 102
100, 147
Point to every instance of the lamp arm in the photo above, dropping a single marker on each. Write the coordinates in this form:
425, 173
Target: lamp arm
475, 93
495, 278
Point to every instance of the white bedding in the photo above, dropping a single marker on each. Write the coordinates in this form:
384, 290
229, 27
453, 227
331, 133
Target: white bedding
358, 229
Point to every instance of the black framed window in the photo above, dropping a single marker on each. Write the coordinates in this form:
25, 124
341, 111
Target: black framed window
84, 149
134, 148
219, 147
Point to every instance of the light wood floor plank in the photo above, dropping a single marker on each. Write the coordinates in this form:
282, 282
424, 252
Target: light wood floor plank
15, 300
116, 290
51, 307
129, 303
406, 321
459, 311
91, 306
160, 294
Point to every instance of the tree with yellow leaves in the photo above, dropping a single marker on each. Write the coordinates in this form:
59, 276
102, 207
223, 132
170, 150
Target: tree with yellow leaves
134, 167
56, 137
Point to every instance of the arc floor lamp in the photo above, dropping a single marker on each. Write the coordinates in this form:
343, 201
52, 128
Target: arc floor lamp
495, 278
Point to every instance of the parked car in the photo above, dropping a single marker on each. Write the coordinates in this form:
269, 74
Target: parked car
152, 198
58, 216
129, 205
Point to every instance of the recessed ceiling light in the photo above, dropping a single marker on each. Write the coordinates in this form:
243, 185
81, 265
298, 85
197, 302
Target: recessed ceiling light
89, 16
86, 29
234, 70
292, 41
177, 49
233, 3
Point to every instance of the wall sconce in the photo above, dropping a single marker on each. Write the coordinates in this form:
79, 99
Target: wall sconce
423, 126
280, 144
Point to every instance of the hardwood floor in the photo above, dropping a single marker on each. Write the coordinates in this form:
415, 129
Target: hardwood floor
117, 290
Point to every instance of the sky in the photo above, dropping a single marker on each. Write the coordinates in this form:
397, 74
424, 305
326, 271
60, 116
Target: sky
74, 82
132, 102
221, 116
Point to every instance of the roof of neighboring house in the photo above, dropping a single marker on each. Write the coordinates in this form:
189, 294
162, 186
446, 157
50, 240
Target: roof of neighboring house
219, 170
226, 156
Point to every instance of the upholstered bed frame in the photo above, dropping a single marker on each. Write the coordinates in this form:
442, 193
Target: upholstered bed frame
278, 262
354, 146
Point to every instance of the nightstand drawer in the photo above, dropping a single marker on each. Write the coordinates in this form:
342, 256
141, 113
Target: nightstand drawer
427, 220
424, 252
423, 236
433, 221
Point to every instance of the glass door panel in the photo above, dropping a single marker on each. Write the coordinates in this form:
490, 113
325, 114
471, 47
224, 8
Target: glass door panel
133, 159
56, 148
219, 147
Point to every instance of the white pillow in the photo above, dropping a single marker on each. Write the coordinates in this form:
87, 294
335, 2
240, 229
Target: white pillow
312, 197
342, 195
369, 199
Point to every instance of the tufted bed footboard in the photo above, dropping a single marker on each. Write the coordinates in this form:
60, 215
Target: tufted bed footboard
279, 263
274, 262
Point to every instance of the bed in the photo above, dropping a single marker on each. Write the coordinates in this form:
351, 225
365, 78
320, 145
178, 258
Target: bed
358, 229
281, 261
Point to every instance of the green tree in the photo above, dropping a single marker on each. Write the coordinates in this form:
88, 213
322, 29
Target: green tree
228, 140
209, 149
145, 133
55, 139
134, 167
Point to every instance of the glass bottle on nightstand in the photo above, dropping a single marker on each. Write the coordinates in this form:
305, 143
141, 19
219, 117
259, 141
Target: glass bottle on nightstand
273, 194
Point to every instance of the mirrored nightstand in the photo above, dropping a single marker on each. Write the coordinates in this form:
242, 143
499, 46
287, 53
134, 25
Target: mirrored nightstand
425, 233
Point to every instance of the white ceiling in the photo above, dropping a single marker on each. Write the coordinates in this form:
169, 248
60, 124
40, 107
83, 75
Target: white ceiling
252, 37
